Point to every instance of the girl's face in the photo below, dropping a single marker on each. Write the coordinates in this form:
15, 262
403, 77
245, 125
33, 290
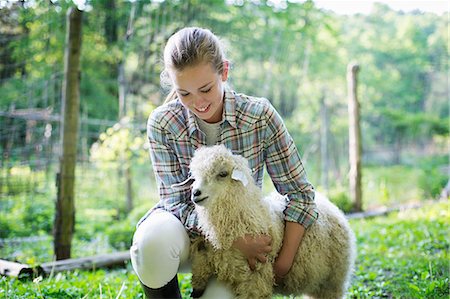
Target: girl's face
200, 88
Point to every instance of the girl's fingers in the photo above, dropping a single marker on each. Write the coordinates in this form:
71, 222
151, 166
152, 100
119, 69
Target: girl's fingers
252, 264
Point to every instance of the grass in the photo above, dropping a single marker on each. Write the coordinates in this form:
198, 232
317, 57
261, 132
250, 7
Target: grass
403, 255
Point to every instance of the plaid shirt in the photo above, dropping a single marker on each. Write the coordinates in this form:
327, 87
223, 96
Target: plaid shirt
251, 128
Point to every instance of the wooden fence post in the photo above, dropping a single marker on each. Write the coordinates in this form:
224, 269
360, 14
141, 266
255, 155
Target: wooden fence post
324, 127
65, 207
354, 137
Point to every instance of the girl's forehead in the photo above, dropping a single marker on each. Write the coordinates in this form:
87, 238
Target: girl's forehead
193, 76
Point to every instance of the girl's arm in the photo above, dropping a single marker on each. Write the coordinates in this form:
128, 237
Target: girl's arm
168, 172
293, 235
286, 170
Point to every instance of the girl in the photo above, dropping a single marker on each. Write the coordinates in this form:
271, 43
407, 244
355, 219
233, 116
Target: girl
200, 111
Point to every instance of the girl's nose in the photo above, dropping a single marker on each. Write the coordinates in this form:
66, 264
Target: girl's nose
199, 101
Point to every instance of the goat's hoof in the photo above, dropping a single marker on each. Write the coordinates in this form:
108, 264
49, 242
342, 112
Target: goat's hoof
196, 293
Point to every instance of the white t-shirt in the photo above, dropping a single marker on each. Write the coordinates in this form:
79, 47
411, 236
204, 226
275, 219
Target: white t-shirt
212, 131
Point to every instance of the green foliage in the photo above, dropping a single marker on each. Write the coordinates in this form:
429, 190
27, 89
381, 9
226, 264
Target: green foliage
119, 142
434, 176
413, 125
340, 197
38, 216
18, 180
27, 210
98, 204
404, 255
121, 283
120, 232
390, 185
294, 55
394, 185
6, 227
120, 235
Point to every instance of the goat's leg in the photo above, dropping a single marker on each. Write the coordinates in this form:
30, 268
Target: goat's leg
201, 267
258, 284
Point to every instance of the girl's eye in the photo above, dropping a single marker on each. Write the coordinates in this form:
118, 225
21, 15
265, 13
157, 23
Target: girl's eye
184, 94
223, 174
206, 91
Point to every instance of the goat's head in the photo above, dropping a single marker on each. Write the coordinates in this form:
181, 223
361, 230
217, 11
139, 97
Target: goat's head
217, 172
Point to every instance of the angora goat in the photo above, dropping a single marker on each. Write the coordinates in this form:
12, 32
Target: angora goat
230, 205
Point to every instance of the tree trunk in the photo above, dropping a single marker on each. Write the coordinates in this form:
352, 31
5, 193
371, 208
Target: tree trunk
122, 90
324, 142
111, 21
121, 80
65, 207
354, 138
129, 186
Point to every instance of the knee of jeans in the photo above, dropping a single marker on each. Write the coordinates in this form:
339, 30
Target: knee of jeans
160, 232
158, 245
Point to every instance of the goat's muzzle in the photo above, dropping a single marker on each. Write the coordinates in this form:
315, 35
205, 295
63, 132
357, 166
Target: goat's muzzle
197, 196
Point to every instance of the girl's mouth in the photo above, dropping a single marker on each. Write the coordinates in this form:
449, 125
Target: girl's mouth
203, 109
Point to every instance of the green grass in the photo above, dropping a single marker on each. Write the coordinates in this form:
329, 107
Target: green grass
403, 255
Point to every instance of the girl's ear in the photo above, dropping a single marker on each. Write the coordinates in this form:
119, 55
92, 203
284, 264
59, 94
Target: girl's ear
226, 67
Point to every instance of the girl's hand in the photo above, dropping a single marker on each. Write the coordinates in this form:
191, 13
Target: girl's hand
293, 235
254, 248
281, 267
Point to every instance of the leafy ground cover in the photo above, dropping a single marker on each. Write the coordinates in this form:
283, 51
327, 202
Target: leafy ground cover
403, 255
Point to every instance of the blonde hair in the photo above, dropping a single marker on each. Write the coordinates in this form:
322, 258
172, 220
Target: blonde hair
191, 46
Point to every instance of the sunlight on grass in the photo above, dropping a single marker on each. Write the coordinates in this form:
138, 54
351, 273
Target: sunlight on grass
403, 255
384, 184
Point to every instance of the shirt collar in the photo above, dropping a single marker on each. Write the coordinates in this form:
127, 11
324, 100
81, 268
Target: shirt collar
229, 112
192, 123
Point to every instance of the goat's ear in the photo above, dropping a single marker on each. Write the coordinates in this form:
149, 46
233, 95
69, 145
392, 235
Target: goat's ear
239, 175
184, 183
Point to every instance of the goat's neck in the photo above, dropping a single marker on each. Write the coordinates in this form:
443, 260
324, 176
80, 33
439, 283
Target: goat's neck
237, 217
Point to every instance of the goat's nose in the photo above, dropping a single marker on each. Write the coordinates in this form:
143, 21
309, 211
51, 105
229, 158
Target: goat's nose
196, 192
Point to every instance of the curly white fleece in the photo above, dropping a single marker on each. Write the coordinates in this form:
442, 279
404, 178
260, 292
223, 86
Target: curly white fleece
323, 264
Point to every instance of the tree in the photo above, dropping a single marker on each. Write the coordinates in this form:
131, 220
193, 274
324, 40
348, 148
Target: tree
354, 137
65, 204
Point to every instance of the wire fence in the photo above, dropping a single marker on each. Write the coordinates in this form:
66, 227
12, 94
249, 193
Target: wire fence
30, 120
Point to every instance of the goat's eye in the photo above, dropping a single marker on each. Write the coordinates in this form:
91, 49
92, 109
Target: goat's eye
223, 174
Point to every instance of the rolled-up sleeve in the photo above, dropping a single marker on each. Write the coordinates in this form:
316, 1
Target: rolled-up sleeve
287, 172
168, 171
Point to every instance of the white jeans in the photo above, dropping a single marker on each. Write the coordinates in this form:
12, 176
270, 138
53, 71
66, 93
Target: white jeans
161, 249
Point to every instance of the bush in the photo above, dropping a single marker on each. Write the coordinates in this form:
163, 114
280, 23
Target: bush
433, 177
38, 215
341, 199
432, 182
120, 235
6, 227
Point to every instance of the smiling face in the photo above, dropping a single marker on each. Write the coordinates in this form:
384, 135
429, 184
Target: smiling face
201, 89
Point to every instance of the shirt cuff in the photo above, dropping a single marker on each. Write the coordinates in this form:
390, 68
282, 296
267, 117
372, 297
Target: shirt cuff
304, 215
191, 225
